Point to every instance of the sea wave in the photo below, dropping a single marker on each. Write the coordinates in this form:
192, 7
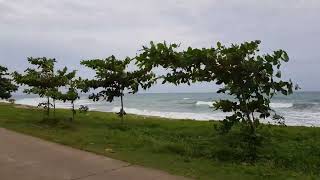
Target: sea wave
306, 106
59, 104
281, 105
273, 105
207, 103
295, 118
297, 106
173, 115
298, 113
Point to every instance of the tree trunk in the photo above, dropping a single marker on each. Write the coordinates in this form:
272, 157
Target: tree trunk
251, 122
121, 110
48, 106
54, 108
73, 111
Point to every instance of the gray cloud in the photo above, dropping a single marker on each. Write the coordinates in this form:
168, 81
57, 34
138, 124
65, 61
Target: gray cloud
71, 30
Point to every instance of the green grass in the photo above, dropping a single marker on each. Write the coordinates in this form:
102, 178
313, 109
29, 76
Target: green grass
183, 147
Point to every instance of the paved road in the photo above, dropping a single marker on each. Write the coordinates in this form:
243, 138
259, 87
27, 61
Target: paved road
24, 157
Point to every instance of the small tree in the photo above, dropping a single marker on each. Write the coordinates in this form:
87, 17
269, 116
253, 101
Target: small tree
113, 77
40, 80
250, 78
253, 80
6, 85
72, 84
61, 78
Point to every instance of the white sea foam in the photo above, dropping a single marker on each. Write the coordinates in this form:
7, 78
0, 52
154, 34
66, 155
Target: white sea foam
200, 103
186, 98
30, 101
173, 115
59, 104
281, 105
292, 119
301, 117
273, 105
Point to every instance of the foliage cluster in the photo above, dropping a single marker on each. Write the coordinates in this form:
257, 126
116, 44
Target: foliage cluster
113, 76
44, 81
6, 84
250, 78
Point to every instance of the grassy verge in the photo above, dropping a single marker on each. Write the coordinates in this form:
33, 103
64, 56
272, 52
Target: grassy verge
189, 148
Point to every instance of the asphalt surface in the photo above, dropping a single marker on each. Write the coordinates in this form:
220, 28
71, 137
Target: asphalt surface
24, 157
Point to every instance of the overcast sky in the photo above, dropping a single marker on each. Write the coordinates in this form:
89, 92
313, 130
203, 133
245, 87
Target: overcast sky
71, 30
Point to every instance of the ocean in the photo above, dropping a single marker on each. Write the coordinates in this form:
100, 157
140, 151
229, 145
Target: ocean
300, 108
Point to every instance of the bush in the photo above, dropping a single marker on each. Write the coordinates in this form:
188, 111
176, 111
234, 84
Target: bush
12, 101
83, 109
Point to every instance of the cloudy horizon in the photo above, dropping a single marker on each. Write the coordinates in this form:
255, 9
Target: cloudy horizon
71, 30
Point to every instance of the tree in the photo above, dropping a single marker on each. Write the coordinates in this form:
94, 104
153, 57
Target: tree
72, 84
6, 85
113, 77
252, 79
63, 78
40, 80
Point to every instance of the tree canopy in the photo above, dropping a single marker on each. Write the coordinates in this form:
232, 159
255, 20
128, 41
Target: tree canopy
6, 84
113, 77
250, 78
42, 79
39, 79
187, 66
72, 85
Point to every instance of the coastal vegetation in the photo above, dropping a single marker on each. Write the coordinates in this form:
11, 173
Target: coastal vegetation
6, 84
113, 78
72, 89
41, 80
250, 78
184, 147
239, 142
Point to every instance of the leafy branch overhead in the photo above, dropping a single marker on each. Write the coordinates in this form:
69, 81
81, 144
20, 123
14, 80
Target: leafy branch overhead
189, 66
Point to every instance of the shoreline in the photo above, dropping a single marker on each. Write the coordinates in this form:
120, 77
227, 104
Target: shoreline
183, 147
302, 109
161, 117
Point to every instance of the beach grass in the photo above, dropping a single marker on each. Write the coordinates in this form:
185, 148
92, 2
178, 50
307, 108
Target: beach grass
183, 147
